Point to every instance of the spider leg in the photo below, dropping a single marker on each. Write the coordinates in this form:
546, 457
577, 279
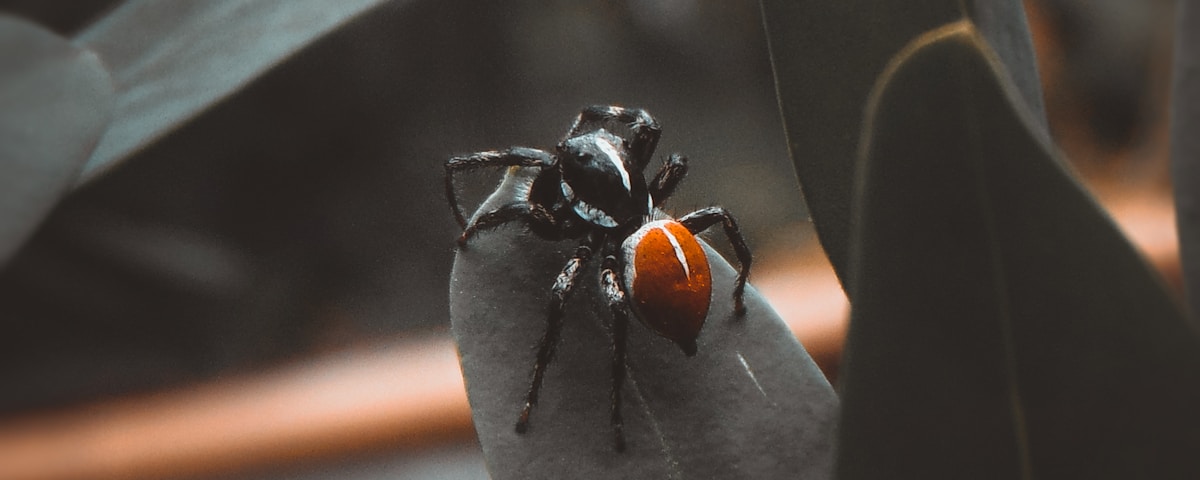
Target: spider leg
700, 220
646, 130
667, 178
529, 212
559, 293
513, 157
610, 283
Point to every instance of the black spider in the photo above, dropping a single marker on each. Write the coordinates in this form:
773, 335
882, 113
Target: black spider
592, 187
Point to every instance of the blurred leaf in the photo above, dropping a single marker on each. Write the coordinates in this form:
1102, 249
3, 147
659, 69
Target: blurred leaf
55, 102
1185, 145
701, 417
174, 60
826, 57
1002, 326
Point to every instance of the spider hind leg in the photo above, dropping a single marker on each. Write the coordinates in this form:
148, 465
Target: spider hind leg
704, 218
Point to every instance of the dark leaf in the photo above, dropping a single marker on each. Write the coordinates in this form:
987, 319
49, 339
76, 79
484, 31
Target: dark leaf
172, 61
1185, 145
1002, 326
750, 404
55, 102
826, 57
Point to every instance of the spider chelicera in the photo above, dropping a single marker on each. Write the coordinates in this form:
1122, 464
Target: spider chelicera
593, 188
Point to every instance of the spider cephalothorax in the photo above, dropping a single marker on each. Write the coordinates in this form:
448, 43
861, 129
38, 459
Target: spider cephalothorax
593, 188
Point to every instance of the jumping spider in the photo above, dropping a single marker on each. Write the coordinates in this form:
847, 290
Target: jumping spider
593, 188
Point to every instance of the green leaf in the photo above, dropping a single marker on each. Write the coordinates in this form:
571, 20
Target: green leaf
172, 61
826, 57
55, 102
750, 404
1185, 145
1002, 326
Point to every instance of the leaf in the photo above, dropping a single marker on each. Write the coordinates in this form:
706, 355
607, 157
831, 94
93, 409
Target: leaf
1185, 146
826, 57
1002, 326
705, 416
55, 102
172, 61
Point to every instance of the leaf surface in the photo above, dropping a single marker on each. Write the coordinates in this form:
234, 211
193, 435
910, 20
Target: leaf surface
1185, 145
826, 57
174, 60
1002, 326
55, 102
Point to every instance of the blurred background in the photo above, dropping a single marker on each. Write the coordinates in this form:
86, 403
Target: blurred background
262, 292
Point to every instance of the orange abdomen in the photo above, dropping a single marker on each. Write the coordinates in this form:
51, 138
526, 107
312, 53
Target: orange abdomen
669, 282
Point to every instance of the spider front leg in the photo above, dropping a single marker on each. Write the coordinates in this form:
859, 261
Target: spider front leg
646, 130
513, 157
529, 212
667, 178
610, 283
700, 220
564, 284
